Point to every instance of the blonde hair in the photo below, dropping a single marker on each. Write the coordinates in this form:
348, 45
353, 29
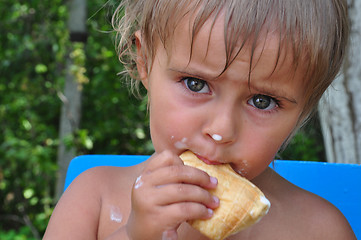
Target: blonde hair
316, 32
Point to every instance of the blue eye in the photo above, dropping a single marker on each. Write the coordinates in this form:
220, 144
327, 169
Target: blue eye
263, 102
196, 85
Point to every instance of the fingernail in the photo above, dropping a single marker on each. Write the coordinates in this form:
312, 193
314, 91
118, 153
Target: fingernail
169, 235
213, 180
215, 199
210, 212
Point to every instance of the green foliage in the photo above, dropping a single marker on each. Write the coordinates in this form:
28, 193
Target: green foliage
33, 51
24, 233
307, 145
78, 68
117, 122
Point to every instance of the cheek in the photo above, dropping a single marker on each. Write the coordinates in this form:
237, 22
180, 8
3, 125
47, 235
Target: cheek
170, 125
257, 157
261, 146
161, 128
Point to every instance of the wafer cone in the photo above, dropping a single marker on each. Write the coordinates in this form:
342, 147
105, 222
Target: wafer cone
241, 203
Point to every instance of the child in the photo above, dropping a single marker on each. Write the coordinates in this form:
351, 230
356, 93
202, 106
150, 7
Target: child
230, 80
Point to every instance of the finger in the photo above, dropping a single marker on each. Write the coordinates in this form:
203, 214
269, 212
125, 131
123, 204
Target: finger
185, 211
163, 159
180, 174
176, 193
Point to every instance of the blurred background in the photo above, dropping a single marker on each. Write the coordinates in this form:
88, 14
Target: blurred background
61, 96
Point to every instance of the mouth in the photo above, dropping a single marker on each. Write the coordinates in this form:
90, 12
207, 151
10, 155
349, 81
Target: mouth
207, 161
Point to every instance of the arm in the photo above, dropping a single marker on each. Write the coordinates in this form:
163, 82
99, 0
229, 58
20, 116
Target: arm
121, 233
76, 214
319, 219
333, 224
167, 194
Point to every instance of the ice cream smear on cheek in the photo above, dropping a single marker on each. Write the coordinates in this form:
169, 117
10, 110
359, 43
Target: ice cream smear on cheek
181, 144
243, 169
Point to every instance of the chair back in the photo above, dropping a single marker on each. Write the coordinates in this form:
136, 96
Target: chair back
338, 183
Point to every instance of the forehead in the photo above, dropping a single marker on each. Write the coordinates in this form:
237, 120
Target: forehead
207, 49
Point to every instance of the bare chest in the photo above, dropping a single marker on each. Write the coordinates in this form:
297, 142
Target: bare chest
280, 223
115, 216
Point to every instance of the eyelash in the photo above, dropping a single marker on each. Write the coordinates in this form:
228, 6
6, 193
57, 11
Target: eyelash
183, 80
277, 102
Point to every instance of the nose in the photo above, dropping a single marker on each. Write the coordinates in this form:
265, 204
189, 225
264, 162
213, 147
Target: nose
222, 125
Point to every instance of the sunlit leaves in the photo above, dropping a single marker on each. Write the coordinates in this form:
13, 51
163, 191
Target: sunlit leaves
32, 49
33, 53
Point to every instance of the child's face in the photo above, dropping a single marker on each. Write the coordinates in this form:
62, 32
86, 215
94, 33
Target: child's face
222, 118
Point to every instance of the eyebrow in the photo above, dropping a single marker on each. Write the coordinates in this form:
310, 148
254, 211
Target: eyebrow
273, 93
262, 90
194, 73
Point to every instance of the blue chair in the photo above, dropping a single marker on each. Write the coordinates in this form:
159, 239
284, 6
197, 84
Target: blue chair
340, 184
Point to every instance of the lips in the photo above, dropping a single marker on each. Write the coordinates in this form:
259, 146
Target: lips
207, 161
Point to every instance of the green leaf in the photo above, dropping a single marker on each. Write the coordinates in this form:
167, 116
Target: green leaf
41, 68
28, 193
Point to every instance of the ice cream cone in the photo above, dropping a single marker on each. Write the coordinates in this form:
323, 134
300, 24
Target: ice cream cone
241, 203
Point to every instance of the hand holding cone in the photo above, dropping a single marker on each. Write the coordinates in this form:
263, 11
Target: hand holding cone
241, 203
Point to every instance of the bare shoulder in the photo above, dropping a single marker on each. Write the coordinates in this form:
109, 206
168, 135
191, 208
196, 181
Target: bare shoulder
81, 207
101, 182
318, 217
108, 184
104, 178
308, 215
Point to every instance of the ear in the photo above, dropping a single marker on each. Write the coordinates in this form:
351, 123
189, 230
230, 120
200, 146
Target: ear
141, 59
